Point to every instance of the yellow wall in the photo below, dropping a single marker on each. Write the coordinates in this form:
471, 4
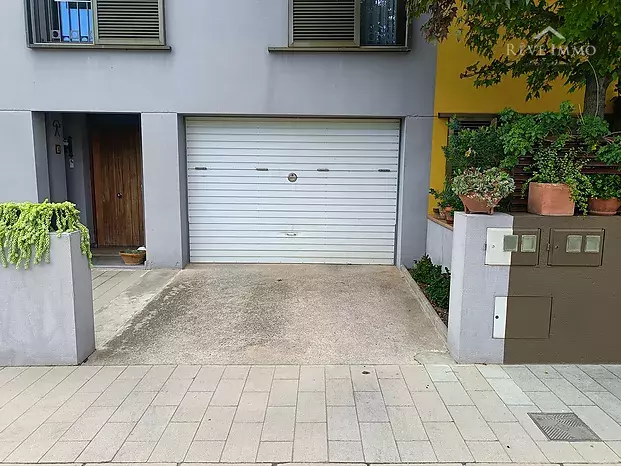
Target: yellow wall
455, 95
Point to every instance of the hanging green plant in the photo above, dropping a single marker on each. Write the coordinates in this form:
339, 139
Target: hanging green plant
25, 229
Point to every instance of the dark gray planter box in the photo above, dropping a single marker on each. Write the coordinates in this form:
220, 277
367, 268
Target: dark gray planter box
46, 312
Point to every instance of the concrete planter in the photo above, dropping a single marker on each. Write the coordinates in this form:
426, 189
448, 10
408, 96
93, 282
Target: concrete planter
46, 312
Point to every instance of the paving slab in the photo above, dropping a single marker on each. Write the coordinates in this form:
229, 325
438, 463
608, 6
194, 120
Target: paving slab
310, 414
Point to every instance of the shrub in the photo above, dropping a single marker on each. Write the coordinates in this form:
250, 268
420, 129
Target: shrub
478, 148
424, 272
491, 185
25, 229
439, 290
605, 186
435, 283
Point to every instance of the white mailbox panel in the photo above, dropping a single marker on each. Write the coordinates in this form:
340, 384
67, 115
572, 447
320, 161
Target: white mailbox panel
501, 243
500, 317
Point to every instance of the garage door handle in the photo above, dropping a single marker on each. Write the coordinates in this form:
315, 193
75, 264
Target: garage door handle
384, 170
323, 169
291, 234
261, 169
200, 168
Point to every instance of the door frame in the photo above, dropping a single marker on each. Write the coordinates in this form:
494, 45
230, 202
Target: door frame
94, 120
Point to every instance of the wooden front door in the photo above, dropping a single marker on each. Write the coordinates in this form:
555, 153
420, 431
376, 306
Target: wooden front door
117, 184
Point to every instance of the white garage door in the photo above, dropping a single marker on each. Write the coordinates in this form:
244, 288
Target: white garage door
292, 191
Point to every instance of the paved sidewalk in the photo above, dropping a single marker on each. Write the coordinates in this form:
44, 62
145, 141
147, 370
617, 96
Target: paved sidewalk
371, 414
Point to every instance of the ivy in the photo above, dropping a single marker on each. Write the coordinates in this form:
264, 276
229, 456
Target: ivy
25, 229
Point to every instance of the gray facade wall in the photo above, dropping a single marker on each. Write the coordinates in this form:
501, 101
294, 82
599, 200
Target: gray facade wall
164, 191
18, 176
414, 188
220, 65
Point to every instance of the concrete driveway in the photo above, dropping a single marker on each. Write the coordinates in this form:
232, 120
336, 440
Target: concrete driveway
279, 314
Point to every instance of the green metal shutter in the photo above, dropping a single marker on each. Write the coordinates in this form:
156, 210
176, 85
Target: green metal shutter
324, 22
129, 22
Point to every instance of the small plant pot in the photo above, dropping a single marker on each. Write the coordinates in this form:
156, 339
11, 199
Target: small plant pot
448, 215
133, 259
550, 199
607, 207
436, 212
474, 204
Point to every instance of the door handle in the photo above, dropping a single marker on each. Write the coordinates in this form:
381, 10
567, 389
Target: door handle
119, 195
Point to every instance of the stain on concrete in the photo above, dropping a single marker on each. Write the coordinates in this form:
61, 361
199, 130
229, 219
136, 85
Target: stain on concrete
278, 314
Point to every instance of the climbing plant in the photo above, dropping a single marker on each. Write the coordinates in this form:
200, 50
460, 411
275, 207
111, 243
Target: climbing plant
25, 230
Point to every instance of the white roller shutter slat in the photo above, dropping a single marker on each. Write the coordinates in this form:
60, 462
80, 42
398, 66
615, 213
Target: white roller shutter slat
341, 210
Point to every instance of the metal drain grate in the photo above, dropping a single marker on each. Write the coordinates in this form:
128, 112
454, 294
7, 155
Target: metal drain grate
564, 427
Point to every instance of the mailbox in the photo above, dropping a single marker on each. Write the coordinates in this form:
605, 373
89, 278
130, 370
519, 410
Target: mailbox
577, 248
508, 246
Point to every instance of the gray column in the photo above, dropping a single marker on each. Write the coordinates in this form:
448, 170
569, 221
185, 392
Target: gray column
164, 187
414, 188
474, 288
24, 175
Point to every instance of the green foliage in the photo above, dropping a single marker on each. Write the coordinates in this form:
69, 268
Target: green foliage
447, 197
439, 290
490, 27
605, 186
436, 284
552, 165
133, 251
424, 272
491, 185
25, 228
478, 148
523, 134
610, 153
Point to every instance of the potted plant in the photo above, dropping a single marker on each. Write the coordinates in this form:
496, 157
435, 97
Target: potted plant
482, 190
133, 256
448, 201
558, 184
605, 194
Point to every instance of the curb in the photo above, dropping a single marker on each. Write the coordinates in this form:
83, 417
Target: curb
424, 303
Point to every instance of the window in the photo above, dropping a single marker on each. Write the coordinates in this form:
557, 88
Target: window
95, 22
348, 23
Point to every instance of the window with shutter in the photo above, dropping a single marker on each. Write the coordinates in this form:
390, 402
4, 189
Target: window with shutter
331, 22
347, 23
129, 22
96, 22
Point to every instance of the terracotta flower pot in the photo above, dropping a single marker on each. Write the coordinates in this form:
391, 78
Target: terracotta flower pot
448, 213
550, 199
133, 259
604, 206
474, 204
